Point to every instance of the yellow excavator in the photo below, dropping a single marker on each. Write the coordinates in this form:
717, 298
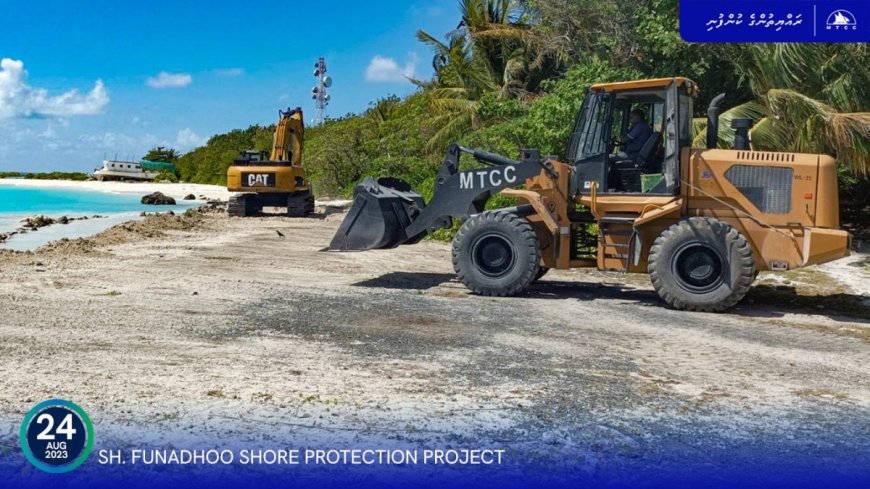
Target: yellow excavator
700, 221
259, 179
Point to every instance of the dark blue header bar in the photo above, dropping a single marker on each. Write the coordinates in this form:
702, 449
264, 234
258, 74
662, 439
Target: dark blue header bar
775, 21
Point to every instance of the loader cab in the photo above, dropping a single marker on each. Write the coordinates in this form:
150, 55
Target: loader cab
598, 153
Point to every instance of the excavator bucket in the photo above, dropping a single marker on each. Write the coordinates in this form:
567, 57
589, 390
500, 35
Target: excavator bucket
379, 216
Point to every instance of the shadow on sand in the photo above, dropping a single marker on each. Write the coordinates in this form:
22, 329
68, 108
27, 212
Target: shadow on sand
763, 301
407, 281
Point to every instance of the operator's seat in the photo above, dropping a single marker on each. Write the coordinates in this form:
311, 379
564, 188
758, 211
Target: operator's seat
628, 170
644, 156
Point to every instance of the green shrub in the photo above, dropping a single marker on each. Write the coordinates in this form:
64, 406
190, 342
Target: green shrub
166, 176
57, 175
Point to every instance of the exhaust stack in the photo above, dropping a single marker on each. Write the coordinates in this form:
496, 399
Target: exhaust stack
713, 121
741, 133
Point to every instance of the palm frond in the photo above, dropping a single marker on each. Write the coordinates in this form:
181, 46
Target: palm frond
451, 127
749, 110
772, 135
821, 128
432, 42
699, 129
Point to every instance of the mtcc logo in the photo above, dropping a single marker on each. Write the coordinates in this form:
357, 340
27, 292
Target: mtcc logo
842, 20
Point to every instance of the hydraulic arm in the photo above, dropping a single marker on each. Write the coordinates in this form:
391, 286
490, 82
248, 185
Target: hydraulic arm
387, 213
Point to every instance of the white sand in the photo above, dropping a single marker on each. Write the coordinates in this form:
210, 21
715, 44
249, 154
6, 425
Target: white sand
229, 332
176, 190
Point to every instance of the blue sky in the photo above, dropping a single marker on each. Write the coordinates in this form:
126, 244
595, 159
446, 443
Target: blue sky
84, 80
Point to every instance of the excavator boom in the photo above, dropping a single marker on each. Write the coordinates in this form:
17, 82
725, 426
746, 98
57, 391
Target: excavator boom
289, 134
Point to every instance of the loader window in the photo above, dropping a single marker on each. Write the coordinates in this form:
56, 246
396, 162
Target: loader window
590, 136
657, 117
635, 165
685, 120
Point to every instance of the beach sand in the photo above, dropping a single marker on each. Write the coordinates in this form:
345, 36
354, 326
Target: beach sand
173, 329
175, 190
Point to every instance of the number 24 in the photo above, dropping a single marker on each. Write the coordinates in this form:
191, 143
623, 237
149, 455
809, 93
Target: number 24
64, 428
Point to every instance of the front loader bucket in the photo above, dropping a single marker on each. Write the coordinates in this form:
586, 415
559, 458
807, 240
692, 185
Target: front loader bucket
379, 216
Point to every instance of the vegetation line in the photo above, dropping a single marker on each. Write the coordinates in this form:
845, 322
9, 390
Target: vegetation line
512, 76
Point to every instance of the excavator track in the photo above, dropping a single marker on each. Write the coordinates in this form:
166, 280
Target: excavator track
300, 204
243, 205
236, 205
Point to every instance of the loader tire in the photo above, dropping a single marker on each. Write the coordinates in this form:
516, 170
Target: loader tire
496, 253
701, 264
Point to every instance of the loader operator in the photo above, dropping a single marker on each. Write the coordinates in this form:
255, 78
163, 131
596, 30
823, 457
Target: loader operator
638, 132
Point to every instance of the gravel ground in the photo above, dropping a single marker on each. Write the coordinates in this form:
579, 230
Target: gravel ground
178, 330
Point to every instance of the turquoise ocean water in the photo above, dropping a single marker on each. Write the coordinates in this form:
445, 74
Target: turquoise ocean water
16, 203
31, 201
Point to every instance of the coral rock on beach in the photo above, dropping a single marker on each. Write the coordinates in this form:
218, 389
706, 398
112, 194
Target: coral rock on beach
37, 222
190, 197
158, 198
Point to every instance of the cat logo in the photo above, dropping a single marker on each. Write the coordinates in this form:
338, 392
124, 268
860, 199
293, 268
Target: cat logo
487, 178
258, 179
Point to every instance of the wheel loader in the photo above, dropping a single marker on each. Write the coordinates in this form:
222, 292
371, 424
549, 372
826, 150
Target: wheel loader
701, 222
259, 179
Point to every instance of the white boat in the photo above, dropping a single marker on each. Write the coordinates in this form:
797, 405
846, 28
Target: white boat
123, 170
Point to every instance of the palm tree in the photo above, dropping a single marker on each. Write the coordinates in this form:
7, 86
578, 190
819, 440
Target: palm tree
809, 98
455, 92
161, 153
490, 52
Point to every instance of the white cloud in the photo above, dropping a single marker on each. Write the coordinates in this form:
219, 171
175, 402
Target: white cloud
230, 72
18, 99
169, 80
107, 140
111, 144
187, 139
381, 69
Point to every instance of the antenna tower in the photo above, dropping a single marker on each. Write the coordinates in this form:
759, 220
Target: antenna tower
320, 92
